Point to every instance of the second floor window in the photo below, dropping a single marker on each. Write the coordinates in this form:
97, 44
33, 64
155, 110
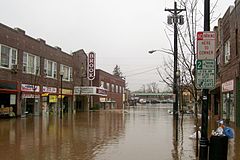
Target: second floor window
226, 51
102, 84
8, 56
31, 64
50, 68
67, 72
108, 86
113, 88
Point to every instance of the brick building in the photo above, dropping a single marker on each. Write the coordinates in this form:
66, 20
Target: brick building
31, 72
115, 90
226, 95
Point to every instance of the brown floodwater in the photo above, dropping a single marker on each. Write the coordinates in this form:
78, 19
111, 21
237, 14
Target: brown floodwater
143, 133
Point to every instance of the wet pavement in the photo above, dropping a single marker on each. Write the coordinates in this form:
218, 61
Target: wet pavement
141, 133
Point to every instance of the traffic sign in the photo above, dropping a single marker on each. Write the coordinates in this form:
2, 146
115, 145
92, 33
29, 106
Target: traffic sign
206, 45
205, 74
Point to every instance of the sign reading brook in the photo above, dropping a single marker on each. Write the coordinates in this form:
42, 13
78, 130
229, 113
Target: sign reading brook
91, 66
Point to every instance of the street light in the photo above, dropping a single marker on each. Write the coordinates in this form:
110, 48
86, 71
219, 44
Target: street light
61, 107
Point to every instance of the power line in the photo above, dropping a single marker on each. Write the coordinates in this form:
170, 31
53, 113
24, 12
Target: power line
142, 72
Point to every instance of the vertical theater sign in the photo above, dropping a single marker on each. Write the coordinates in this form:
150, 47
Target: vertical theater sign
91, 66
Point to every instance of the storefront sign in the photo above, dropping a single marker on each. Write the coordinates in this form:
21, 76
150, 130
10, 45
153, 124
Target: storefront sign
8, 85
45, 94
228, 86
30, 96
30, 88
101, 91
102, 99
52, 98
98, 91
65, 91
49, 89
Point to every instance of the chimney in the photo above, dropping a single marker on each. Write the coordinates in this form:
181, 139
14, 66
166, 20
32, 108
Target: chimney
19, 30
58, 48
41, 40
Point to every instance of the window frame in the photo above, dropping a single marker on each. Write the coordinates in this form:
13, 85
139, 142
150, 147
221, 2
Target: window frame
227, 51
66, 76
53, 69
10, 56
36, 64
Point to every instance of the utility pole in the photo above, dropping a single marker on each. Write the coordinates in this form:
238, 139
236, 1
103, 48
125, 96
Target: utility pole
176, 19
204, 129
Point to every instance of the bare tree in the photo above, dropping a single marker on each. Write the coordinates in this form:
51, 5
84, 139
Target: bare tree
186, 52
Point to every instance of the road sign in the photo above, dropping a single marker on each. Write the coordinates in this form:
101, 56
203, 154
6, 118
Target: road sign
206, 45
205, 74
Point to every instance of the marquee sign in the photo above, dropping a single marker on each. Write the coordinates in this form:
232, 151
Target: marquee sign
91, 66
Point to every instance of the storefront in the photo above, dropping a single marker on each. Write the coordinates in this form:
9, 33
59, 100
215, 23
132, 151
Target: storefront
67, 98
30, 99
49, 100
107, 103
92, 96
228, 98
8, 98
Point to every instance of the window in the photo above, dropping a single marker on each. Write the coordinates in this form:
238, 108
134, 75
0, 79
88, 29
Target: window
117, 91
228, 111
226, 51
113, 88
31, 63
8, 56
218, 60
102, 84
67, 72
108, 86
236, 41
120, 89
50, 68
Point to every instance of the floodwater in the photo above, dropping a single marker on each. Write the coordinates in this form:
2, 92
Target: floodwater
141, 133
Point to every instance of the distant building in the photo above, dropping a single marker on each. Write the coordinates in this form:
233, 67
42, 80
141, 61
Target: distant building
114, 86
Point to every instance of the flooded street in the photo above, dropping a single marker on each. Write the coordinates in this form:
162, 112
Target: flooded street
143, 133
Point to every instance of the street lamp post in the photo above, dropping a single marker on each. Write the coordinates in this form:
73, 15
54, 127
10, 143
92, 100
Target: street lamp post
204, 129
61, 107
176, 19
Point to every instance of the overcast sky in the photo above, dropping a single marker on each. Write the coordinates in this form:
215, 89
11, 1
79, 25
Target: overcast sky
120, 32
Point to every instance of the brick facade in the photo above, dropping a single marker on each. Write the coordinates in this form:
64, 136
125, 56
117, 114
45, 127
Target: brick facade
115, 93
17, 39
227, 94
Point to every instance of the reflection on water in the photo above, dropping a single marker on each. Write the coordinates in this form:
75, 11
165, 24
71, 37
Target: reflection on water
144, 133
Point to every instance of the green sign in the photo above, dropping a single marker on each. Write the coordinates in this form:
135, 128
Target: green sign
205, 74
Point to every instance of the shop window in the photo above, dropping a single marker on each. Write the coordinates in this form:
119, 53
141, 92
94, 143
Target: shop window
31, 64
226, 51
228, 106
50, 69
8, 56
67, 72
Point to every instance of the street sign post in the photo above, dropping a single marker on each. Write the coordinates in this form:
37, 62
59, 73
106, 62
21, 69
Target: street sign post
205, 72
